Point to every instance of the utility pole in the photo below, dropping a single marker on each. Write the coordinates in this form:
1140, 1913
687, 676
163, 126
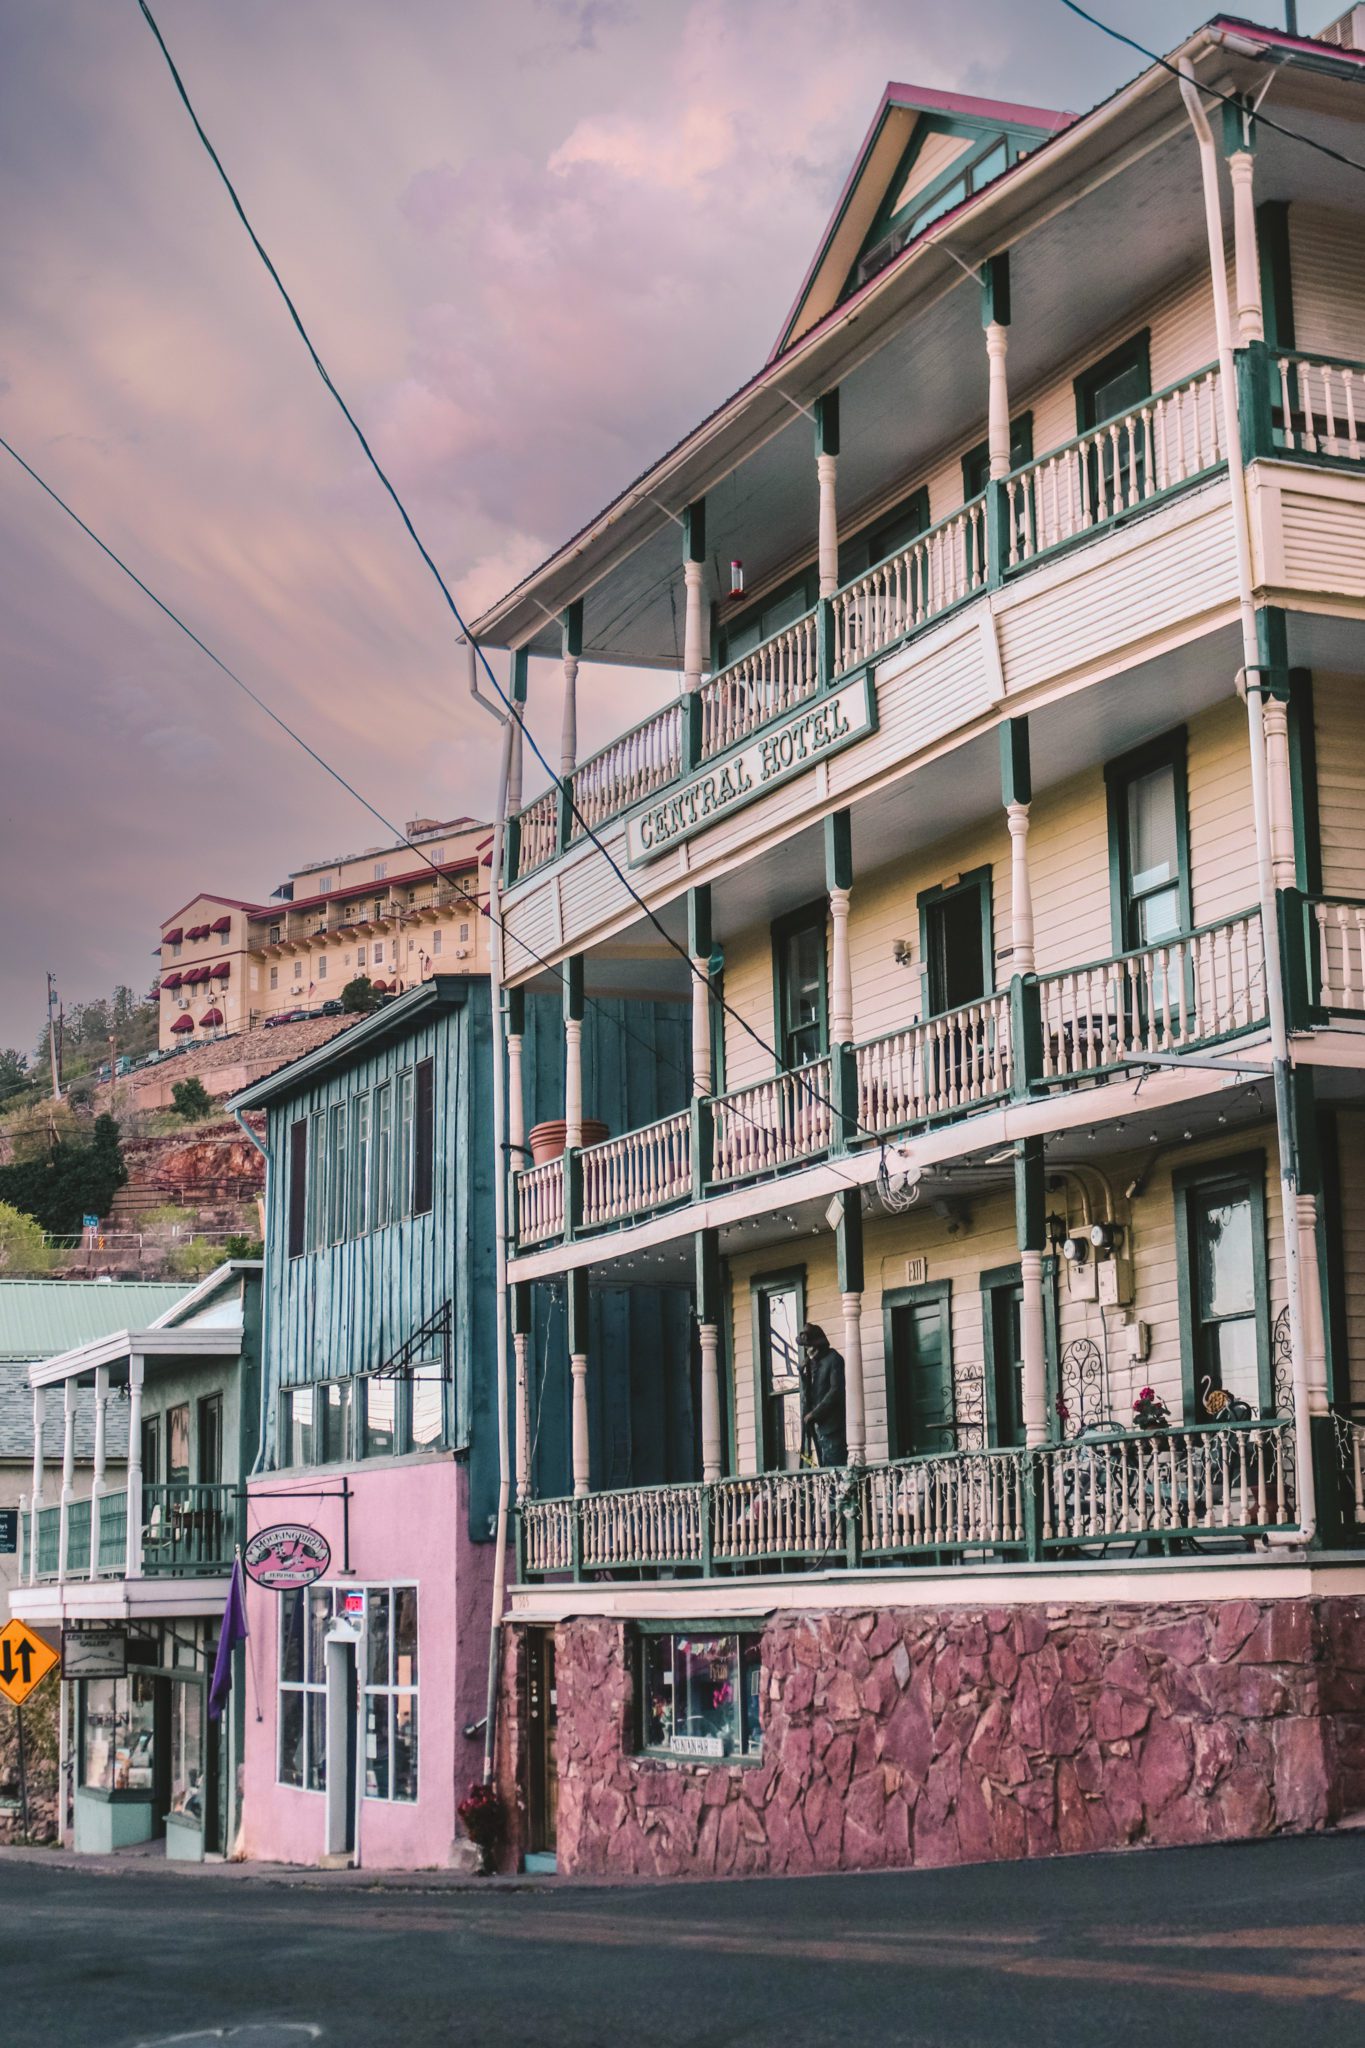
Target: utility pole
113, 1073
52, 1037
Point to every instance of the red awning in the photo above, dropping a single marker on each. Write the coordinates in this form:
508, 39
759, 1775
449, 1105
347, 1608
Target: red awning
197, 931
172, 980
211, 1017
221, 924
183, 1024
222, 970
172, 938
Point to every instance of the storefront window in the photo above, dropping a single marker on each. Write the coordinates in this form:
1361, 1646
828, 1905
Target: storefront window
304, 1616
380, 1398
391, 1693
119, 1733
700, 1694
187, 1751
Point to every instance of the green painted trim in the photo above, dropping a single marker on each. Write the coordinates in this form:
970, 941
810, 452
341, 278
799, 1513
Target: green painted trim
1332, 1259
576, 1291
1030, 1195
572, 628
1016, 768
521, 1308
521, 672
940, 1291
839, 850
729, 1392
1242, 1170
981, 880
1169, 750
1137, 349
992, 1283
573, 988
782, 929
995, 290
849, 1241
1239, 129
706, 1253
695, 1625
694, 531
699, 940
760, 1286
1277, 275
827, 423
1303, 775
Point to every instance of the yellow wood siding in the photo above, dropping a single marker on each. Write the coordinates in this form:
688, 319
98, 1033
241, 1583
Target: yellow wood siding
1222, 836
1327, 266
1339, 721
1322, 534
1068, 851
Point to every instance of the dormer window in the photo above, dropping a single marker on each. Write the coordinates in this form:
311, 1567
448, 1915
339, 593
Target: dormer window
937, 199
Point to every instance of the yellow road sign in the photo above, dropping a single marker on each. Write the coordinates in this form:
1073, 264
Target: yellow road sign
25, 1660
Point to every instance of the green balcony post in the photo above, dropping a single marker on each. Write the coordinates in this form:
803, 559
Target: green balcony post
564, 818
519, 1539
1026, 1035
843, 1094
853, 1523
707, 1533
1335, 1500
1254, 402
826, 653
1033, 1505
703, 1139
573, 1193
1300, 992
511, 850
692, 731
576, 1541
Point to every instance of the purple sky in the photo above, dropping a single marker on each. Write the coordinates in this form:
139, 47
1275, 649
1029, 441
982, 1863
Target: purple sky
535, 241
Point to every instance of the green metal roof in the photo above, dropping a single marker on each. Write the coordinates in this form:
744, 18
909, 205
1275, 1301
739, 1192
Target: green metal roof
41, 1318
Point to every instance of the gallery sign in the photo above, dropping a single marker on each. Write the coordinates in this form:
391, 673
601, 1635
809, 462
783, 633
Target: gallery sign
285, 1557
92, 1651
818, 729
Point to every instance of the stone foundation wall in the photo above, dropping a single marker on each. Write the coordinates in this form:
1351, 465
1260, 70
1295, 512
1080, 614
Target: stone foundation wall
919, 1736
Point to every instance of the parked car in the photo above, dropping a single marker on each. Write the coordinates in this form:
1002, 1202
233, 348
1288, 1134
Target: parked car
284, 1017
331, 1008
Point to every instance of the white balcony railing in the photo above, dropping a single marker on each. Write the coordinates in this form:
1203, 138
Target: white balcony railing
951, 1502
936, 571
772, 1123
774, 677
1340, 955
1166, 441
642, 1170
539, 833
650, 1525
646, 758
547, 1528
540, 1202
1212, 1478
1351, 1450
778, 1514
1322, 407
1205, 985
947, 1063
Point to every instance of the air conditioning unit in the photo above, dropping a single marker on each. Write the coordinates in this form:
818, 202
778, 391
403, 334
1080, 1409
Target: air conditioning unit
297, 989
182, 1002
462, 952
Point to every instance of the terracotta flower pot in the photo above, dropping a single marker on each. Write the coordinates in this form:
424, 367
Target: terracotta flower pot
547, 1140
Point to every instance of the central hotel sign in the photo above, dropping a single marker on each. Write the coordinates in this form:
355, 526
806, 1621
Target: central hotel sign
819, 729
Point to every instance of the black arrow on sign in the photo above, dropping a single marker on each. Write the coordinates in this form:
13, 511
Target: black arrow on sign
8, 1667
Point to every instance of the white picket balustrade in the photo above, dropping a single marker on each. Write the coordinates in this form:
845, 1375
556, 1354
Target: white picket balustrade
771, 1123
1166, 998
1351, 1448
1164, 442
773, 677
1341, 955
644, 1525
952, 1502
547, 1535
1321, 407
641, 1170
946, 1063
540, 1202
778, 1514
1211, 1477
642, 760
936, 571
538, 828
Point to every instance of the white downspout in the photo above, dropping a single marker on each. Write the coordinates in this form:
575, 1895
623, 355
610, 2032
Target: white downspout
1304, 1492
508, 721
258, 1463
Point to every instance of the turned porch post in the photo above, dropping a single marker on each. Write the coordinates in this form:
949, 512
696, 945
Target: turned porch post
707, 1250
694, 579
39, 1408
572, 633
516, 1095
1030, 1221
995, 318
1016, 789
573, 1052
97, 1486
826, 473
68, 1475
699, 950
578, 1369
850, 1247
839, 880
1239, 142
132, 1566
521, 1346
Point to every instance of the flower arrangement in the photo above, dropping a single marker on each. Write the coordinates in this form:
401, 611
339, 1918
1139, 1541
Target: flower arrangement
481, 1810
1150, 1411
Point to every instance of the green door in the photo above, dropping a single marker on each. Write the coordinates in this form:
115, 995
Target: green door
921, 1378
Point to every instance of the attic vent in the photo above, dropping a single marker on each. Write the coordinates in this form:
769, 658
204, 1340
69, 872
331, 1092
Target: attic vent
987, 164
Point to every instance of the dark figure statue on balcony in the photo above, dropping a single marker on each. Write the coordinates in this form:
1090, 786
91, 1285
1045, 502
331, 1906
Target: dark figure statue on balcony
822, 1379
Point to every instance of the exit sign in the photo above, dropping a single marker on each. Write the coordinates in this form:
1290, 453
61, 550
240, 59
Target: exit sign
916, 1272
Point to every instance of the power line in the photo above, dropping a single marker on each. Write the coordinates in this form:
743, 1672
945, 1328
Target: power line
401, 838
1228, 99
807, 1086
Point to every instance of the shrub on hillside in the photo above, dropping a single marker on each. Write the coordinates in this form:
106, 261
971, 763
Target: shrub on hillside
23, 1255
68, 1180
191, 1100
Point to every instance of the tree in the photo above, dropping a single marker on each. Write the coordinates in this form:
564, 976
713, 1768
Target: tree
14, 1072
22, 1251
68, 1180
191, 1099
358, 997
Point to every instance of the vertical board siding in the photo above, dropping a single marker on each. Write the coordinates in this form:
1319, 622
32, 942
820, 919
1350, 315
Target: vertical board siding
1327, 266
1351, 1183
1222, 835
1339, 729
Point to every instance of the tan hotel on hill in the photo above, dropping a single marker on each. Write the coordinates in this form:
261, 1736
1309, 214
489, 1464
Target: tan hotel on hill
397, 913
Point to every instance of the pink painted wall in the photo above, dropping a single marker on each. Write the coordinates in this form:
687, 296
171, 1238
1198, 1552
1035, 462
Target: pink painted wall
408, 1524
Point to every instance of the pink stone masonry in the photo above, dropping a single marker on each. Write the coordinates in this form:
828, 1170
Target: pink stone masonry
956, 1735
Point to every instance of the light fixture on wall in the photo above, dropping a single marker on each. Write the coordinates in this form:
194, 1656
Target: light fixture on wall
903, 952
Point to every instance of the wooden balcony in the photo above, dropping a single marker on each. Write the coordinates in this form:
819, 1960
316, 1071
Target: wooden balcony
1209, 1487
1075, 1027
188, 1531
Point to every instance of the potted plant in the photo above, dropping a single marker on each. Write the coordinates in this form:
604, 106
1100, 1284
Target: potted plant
547, 1140
484, 1819
1150, 1411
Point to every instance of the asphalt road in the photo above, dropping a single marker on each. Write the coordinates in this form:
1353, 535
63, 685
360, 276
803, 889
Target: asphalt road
1234, 1947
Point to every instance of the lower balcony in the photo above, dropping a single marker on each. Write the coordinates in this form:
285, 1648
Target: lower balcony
1207, 1487
1073, 1027
187, 1531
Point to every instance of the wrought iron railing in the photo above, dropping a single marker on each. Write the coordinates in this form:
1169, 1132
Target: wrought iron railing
1167, 441
188, 1529
772, 1123
957, 1061
1208, 1479
1168, 998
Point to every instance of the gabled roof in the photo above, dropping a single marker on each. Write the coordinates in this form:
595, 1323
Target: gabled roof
899, 120
207, 896
442, 992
